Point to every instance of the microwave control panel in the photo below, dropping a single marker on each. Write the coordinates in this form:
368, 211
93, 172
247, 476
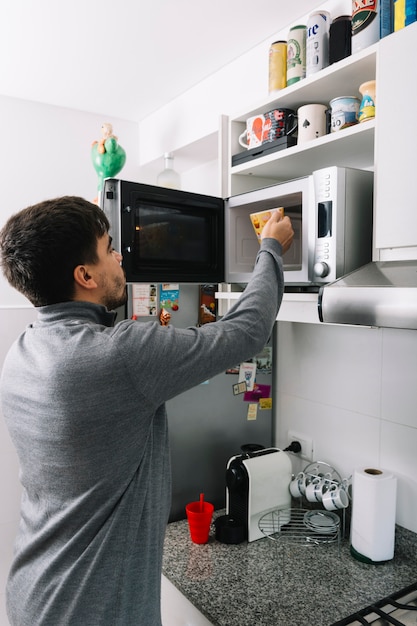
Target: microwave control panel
343, 221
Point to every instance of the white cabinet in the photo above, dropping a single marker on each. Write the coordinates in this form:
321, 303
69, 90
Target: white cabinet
352, 147
177, 610
396, 142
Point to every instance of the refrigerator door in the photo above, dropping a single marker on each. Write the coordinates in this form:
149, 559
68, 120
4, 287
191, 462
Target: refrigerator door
208, 425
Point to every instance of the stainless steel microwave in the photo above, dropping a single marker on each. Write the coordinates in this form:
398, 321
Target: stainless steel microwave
169, 235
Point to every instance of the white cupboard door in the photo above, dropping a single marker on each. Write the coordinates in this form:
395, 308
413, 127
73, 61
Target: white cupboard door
396, 141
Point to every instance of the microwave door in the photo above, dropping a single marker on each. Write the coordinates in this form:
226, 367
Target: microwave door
242, 244
166, 235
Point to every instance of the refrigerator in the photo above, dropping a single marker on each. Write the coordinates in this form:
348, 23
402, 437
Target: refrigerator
211, 422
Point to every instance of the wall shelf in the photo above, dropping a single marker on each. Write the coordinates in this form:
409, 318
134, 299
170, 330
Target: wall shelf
351, 147
295, 307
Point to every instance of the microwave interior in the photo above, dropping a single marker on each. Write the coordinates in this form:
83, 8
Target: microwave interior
169, 235
243, 243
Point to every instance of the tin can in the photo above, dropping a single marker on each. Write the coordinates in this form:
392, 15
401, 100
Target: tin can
340, 40
296, 54
277, 66
365, 24
318, 28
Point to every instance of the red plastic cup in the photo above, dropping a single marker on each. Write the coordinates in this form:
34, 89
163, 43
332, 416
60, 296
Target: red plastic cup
199, 517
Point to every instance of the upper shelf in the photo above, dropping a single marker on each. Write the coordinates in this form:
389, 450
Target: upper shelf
339, 79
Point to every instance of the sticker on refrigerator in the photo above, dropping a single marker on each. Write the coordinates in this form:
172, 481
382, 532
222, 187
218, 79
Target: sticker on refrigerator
239, 388
169, 296
264, 361
252, 412
258, 392
265, 403
144, 300
247, 373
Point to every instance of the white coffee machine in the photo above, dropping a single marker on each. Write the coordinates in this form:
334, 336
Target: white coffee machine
257, 482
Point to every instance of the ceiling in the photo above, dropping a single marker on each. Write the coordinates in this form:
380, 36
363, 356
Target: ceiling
127, 59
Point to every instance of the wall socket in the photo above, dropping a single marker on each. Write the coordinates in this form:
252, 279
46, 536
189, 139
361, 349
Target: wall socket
306, 444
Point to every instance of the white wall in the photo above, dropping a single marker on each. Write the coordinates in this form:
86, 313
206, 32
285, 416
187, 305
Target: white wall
48, 154
352, 390
45, 153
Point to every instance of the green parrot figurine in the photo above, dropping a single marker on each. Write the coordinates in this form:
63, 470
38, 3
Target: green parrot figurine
107, 155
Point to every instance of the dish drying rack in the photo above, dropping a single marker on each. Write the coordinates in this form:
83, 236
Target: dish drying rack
307, 527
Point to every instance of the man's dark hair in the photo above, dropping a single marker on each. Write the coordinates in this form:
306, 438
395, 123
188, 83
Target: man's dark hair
40, 247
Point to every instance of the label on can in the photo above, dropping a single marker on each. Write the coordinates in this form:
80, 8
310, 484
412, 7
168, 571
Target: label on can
317, 53
365, 23
277, 66
296, 54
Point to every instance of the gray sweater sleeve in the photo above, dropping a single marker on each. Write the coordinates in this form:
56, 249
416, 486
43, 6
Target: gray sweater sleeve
177, 359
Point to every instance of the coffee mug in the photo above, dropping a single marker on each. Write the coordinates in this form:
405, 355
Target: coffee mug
298, 485
282, 123
252, 137
317, 488
312, 122
344, 112
268, 127
335, 498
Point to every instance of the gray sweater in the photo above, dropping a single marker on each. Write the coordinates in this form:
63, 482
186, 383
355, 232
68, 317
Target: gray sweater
84, 403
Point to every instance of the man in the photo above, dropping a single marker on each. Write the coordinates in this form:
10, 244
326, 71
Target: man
84, 403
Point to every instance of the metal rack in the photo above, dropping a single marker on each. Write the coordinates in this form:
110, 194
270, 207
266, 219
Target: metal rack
301, 526
308, 526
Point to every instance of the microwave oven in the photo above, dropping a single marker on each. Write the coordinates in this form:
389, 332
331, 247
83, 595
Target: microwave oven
167, 235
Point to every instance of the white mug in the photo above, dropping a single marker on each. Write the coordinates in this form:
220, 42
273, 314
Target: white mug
317, 488
312, 122
335, 498
298, 485
252, 137
344, 112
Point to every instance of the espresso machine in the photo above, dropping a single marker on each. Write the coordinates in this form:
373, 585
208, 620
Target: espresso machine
257, 482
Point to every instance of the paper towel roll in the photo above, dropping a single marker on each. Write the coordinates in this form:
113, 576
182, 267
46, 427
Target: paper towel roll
374, 494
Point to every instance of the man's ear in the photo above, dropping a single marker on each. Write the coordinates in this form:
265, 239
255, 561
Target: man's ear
83, 278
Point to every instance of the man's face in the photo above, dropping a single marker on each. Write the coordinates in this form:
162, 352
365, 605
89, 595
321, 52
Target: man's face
109, 274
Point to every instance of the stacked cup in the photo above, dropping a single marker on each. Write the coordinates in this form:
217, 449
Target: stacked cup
320, 489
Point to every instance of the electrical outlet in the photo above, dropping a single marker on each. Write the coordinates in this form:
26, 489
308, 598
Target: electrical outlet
305, 442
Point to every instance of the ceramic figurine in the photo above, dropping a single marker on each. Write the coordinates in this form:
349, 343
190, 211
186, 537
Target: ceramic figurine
107, 155
164, 317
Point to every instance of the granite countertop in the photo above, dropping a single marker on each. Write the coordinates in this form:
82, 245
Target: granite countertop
279, 583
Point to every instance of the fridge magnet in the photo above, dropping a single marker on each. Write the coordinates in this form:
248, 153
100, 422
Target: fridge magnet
164, 317
208, 309
247, 372
258, 392
264, 361
265, 403
169, 297
239, 388
144, 300
252, 412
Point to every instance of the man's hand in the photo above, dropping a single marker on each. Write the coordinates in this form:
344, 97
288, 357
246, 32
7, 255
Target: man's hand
279, 228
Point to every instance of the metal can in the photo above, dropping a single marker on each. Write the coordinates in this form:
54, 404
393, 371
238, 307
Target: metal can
365, 24
296, 54
318, 27
277, 66
340, 40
